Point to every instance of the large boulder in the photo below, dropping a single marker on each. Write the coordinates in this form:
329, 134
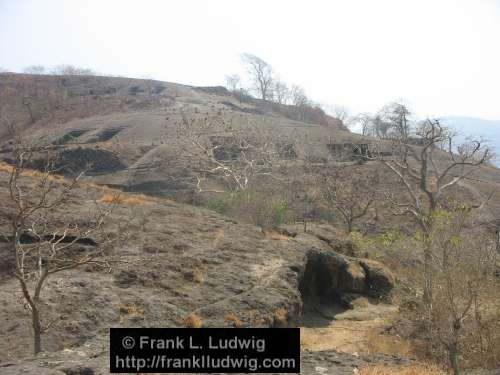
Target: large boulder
330, 277
379, 280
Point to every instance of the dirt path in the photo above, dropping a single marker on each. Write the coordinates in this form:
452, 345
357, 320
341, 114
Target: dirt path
357, 331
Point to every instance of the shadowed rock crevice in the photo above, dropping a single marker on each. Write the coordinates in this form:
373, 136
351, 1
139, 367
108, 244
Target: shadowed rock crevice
27, 238
70, 136
76, 160
330, 278
318, 282
105, 135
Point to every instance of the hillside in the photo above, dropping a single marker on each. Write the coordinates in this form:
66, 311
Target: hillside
269, 253
134, 123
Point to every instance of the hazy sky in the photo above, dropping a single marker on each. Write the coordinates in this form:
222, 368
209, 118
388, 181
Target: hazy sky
442, 56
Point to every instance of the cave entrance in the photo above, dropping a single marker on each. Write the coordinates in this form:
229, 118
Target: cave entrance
321, 300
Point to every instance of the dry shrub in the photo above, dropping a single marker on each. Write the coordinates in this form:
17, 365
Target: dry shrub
110, 198
410, 370
33, 173
275, 235
231, 317
57, 178
387, 344
4, 167
219, 235
131, 309
132, 199
193, 321
104, 188
255, 317
280, 318
195, 275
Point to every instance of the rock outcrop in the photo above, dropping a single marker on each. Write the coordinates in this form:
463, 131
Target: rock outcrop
329, 277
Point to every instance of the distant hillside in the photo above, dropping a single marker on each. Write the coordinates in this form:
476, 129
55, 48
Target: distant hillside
129, 130
471, 126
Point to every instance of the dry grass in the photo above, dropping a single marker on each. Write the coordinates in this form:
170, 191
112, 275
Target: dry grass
104, 188
231, 317
131, 309
196, 275
280, 318
275, 235
410, 370
32, 173
219, 236
4, 167
132, 199
387, 344
193, 321
255, 317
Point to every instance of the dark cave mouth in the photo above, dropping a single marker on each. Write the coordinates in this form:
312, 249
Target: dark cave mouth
315, 284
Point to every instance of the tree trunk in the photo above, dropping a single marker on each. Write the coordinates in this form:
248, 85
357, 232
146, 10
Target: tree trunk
35, 317
28, 106
497, 240
427, 285
427, 277
349, 226
453, 358
37, 330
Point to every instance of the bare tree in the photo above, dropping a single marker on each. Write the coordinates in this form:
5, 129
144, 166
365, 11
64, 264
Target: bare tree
351, 196
261, 73
365, 121
304, 200
380, 126
298, 95
233, 83
72, 70
397, 118
427, 172
34, 69
341, 113
281, 92
436, 166
236, 156
42, 242
462, 283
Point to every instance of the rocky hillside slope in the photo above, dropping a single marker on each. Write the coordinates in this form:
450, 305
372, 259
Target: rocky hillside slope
179, 260
176, 259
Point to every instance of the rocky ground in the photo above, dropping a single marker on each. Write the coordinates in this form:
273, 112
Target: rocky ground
93, 360
180, 260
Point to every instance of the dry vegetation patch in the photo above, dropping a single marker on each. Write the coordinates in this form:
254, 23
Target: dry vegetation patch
275, 235
387, 344
280, 318
131, 309
193, 320
236, 322
132, 199
410, 370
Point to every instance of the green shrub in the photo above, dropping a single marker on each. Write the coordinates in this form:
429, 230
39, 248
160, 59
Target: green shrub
279, 211
217, 204
251, 206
